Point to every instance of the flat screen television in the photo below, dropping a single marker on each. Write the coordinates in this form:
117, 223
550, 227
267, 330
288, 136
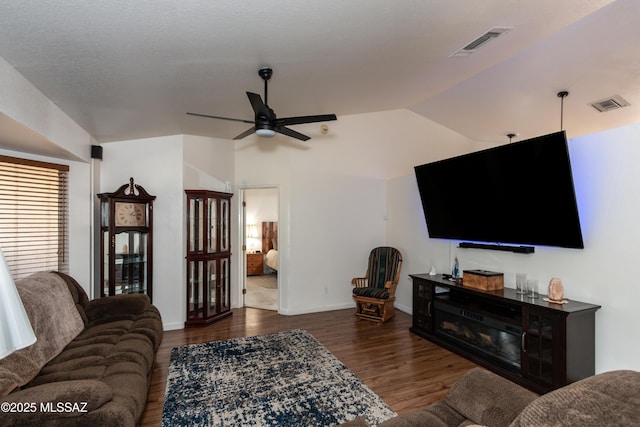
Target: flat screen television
519, 193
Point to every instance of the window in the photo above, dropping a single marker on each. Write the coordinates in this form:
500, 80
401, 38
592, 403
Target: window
33, 216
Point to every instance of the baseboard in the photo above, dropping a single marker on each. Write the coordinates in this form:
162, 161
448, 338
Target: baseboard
172, 326
317, 309
343, 306
403, 308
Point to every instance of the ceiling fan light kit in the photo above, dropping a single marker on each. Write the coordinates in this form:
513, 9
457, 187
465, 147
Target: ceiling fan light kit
266, 133
266, 124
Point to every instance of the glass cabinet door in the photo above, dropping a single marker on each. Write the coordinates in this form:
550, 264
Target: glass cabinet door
224, 225
196, 224
225, 285
423, 305
106, 242
212, 288
208, 248
539, 351
129, 272
195, 277
212, 206
138, 262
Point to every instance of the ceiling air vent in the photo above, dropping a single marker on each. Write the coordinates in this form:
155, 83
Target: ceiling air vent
612, 103
480, 41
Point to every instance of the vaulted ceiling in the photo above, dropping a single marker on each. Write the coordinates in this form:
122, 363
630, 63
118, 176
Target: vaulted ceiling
126, 69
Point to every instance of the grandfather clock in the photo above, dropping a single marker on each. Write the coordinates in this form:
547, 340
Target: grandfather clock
126, 225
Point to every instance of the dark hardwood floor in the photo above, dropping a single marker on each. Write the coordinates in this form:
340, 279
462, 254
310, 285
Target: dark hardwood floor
406, 371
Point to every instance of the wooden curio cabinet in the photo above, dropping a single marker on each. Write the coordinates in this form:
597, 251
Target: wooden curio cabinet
208, 256
126, 236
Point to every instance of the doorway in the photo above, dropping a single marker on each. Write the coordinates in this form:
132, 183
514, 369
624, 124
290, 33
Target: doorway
261, 257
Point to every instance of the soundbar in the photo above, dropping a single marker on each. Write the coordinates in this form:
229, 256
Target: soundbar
496, 247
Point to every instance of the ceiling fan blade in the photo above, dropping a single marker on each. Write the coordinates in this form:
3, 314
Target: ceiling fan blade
265, 121
222, 118
292, 133
259, 107
288, 121
246, 133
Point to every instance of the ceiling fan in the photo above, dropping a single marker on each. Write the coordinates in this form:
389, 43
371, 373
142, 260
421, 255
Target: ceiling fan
266, 123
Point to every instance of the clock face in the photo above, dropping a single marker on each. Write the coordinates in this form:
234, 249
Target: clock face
130, 214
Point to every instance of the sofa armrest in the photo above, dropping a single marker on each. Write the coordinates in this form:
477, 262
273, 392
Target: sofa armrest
116, 307
607, 399
439, 414
45, 402
488, 399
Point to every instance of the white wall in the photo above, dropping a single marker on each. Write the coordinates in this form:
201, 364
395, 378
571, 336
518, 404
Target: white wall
165, 167
606, 181
261, 206
156, 165
333, 196
24, 103
209, 165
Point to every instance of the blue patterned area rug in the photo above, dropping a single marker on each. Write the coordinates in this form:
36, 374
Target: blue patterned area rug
282, 379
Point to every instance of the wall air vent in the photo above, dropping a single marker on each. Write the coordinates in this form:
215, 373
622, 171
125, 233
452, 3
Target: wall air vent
612, 103
480, 41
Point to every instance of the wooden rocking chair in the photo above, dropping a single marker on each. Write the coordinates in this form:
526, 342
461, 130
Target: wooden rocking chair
375, 293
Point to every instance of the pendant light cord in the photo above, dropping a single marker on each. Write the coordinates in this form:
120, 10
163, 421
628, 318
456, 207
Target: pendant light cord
562, 95
561, 113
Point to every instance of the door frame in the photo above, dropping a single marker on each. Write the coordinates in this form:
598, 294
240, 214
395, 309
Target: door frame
242, 239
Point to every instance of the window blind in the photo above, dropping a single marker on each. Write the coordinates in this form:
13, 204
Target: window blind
33, 216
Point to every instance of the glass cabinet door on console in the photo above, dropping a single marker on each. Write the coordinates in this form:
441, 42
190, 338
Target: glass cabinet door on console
126, 223
423, 306
541, 355
208, 256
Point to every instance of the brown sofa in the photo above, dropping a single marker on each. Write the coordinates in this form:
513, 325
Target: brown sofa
483, 398
91, 363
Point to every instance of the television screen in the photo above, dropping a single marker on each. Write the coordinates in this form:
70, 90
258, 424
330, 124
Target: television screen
520, 193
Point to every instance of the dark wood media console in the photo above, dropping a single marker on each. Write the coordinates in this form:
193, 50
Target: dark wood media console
540, 345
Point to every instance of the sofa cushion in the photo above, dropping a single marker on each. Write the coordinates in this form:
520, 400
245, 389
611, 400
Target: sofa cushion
117, 307
607, 399
80, 397
55, 322
488, 399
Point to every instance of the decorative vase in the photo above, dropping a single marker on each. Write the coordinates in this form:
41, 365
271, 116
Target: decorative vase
455, 272
556, 291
